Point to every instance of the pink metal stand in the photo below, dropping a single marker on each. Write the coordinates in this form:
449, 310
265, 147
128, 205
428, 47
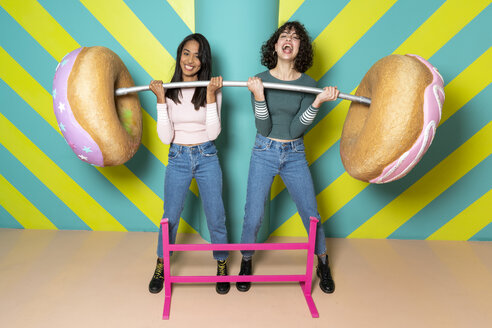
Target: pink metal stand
304, 280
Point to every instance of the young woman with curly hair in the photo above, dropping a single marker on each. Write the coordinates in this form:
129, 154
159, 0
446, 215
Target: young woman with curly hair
281, 118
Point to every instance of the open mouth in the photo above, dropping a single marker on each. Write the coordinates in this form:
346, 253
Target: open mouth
287, 48
189, 68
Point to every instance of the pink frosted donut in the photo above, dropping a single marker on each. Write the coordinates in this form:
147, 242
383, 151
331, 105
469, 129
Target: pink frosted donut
384, 142
101, 130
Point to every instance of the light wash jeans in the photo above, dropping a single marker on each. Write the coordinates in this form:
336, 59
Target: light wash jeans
269, 158
202, 163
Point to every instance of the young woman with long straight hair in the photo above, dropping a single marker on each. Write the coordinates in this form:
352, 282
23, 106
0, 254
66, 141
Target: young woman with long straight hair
189, 120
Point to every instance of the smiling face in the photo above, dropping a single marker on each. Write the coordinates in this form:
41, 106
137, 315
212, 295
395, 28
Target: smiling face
287, 46
189, 61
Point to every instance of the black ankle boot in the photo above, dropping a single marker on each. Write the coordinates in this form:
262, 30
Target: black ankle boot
326, 282
157, 281
222, 287
246, 269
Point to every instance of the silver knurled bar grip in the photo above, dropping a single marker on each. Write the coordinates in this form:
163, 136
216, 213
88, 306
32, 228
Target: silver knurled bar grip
268, 85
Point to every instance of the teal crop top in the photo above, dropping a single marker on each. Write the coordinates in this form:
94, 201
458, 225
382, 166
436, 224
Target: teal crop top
284, 114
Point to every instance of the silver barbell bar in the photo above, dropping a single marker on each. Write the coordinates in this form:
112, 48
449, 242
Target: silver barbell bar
268, 85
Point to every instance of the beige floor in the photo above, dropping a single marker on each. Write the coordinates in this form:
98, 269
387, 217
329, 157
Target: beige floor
99, 279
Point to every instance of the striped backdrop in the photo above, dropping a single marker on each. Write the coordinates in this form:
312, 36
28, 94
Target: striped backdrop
447, 196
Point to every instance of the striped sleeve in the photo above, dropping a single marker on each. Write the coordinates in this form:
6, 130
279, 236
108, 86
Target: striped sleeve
308, 116
261, 110
263, 120
304, 118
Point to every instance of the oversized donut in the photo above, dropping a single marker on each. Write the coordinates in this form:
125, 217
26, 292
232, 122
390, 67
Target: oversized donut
383, 142
101, 129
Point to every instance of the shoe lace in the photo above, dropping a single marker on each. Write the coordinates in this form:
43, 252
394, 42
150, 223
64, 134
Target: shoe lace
159, 271
222, 268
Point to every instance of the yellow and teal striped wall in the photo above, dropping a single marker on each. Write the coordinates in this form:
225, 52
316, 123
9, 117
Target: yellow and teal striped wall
447, 196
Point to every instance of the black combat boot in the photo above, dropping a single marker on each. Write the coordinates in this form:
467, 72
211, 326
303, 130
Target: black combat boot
246, 269
326, 282
157, 281
222, 287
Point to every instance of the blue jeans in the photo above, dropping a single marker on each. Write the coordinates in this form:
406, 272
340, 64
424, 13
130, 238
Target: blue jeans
202, 163
269, 158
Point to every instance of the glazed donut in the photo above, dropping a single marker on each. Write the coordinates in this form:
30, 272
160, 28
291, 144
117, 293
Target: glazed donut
101, 129
383, 142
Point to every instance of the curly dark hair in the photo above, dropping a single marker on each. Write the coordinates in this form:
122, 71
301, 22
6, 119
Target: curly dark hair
303, 60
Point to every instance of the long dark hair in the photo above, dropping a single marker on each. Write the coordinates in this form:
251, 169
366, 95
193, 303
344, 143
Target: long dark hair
303, 60
205, 56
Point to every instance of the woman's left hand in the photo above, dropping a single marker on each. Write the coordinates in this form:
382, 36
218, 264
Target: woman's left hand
214, 85
328, 94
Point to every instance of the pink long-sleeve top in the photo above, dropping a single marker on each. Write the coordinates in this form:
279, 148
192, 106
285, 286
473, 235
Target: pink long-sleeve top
182, 124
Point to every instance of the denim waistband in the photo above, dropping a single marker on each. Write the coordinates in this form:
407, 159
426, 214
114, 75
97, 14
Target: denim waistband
273, 144
192, 149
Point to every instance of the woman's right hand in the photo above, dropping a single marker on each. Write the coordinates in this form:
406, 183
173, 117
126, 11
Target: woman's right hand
158, 89
255, 85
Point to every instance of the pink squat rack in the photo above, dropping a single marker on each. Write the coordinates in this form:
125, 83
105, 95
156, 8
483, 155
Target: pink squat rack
304, 280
